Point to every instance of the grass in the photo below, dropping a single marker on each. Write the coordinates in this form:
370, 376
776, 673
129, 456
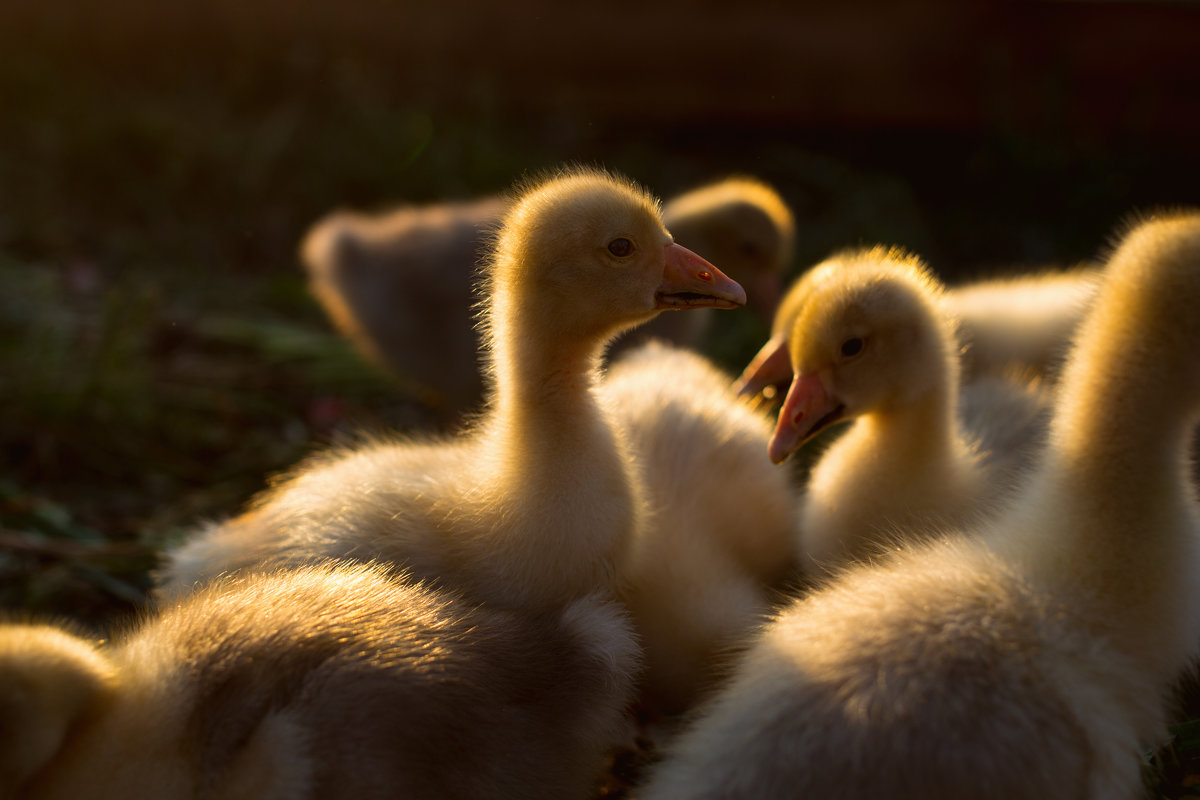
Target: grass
160, 357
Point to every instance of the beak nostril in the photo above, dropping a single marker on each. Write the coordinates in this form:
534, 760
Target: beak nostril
704, 275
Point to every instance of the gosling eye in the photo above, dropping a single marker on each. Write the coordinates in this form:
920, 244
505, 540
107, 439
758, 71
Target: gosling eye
852, 347
620, 247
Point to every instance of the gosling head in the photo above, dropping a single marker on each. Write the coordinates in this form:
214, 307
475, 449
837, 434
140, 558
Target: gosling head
587, 253
868, 337
744, 225
51, 682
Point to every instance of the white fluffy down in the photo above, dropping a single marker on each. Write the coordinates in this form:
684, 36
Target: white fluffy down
721, 530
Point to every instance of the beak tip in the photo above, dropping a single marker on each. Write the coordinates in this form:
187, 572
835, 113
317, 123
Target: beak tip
735, 294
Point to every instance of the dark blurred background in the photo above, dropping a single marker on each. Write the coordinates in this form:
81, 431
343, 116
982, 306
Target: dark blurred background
159, 162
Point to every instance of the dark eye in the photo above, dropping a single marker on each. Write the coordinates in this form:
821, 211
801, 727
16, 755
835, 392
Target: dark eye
852, 347
620, 247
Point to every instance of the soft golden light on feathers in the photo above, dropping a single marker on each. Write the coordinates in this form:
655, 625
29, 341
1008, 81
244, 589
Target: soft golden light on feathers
49, 678
403, 284
1025, 653
905, 463
556, 228
552, 207
338, 681
855, 272
722, 531
1150, 285
888, 298
475, 510
740, 211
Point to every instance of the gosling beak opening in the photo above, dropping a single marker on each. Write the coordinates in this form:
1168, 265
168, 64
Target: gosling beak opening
688, 281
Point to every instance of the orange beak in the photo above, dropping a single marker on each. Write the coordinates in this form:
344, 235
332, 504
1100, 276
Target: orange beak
688, 281
807, 410
772, 366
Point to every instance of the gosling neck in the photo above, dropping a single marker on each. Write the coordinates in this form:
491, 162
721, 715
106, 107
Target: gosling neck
922, 429
543, 376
